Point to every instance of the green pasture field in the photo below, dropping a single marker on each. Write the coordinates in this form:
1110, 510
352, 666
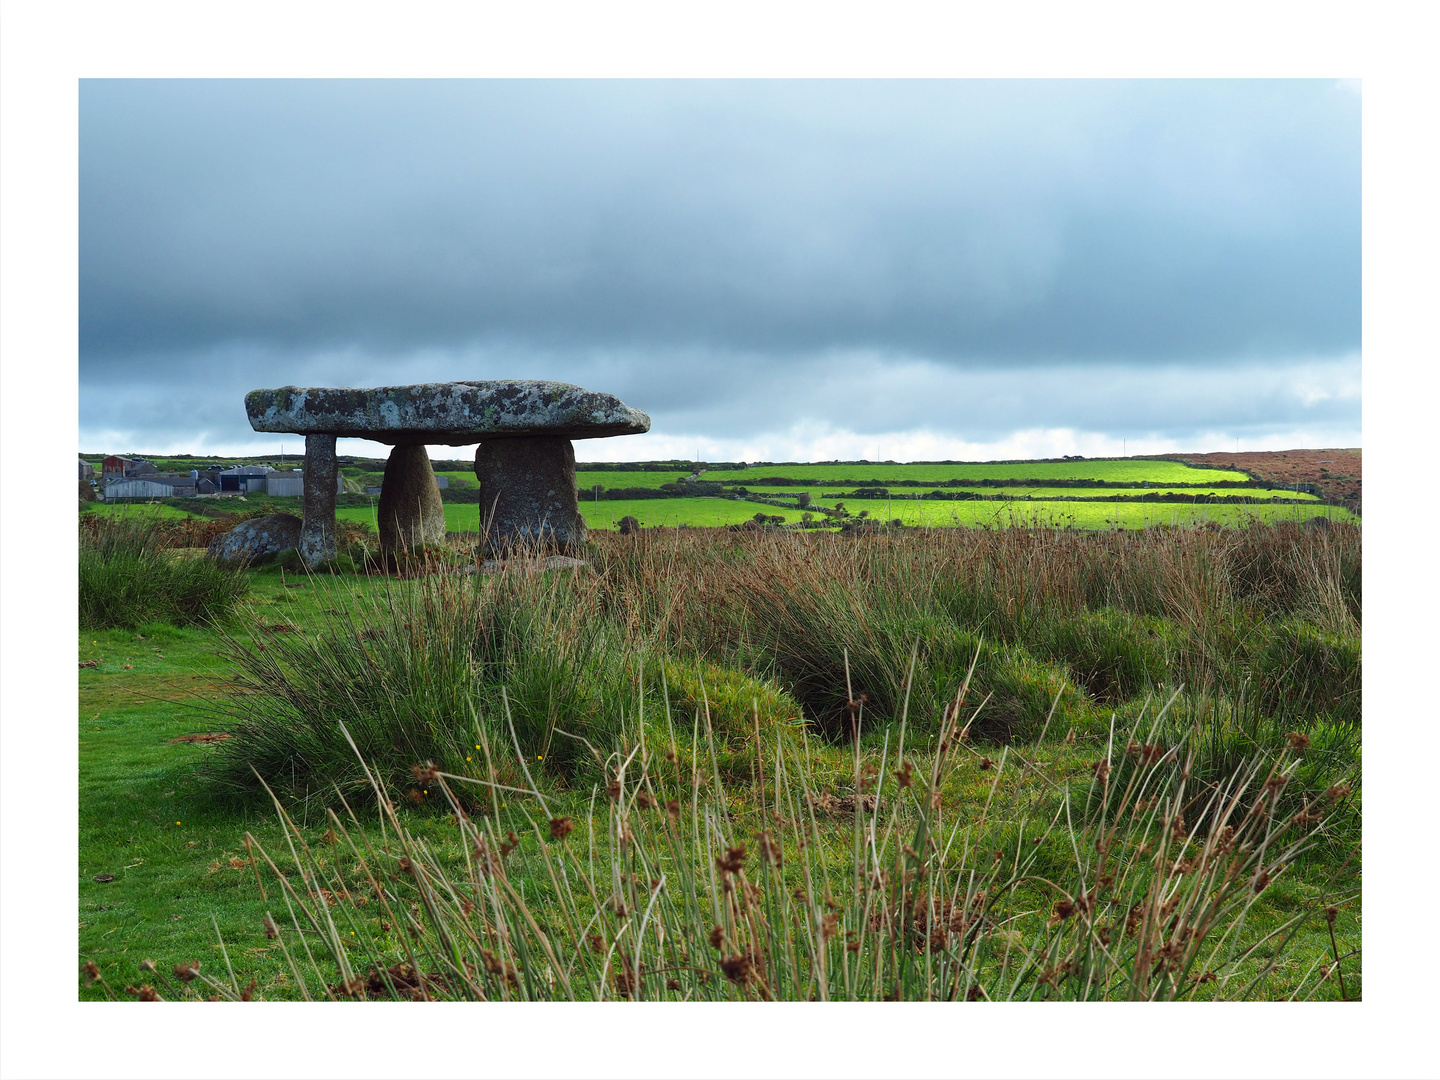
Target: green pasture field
138, 509
606, 513
459, 517
586, 480
939, 513
832, 495
465, 517
1127, 470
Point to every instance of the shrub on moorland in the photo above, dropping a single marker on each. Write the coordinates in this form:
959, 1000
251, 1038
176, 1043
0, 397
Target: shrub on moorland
129, 578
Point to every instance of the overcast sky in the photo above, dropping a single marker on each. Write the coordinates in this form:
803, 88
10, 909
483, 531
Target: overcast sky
772, 270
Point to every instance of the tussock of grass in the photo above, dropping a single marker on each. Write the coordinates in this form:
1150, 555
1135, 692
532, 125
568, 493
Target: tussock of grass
1069, 628
415, 672
129, 577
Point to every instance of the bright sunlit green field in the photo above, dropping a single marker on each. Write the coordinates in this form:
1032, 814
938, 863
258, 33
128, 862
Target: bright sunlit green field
938, 513
1129, 469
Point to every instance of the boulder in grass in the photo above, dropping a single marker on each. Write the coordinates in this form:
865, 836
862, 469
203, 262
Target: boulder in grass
256, 539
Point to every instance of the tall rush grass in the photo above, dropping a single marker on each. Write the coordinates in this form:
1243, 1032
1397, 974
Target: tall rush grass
1134, 882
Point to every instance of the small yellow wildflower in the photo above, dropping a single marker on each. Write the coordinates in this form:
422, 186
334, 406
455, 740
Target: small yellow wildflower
177, 823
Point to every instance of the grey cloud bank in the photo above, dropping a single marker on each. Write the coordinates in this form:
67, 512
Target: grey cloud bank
969, 259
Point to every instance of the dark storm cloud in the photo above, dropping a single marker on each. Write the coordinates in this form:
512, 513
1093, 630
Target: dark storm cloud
712, 250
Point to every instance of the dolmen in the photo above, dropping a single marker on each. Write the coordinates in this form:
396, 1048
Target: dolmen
525, 461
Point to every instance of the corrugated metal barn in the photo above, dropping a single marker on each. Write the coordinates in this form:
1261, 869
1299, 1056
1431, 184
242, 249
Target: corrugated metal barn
137, 489
293, 483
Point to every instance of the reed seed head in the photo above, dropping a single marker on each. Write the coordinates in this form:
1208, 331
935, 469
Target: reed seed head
738, 969
1062, 910
731, 861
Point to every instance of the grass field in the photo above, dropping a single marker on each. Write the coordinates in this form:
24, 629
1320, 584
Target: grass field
1028, 492
172, 848
606, 513
1128, 469
778, 618
710, 512
940, 513
137, 509
1033, 505
614, 480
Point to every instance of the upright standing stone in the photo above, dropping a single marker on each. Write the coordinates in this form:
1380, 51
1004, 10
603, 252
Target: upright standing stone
317, 538
527, 494
411, 513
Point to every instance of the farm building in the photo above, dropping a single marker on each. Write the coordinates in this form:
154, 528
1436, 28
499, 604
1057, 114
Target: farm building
245, 478
87, 471
136, 488
114, 465
158, 486
293, 483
